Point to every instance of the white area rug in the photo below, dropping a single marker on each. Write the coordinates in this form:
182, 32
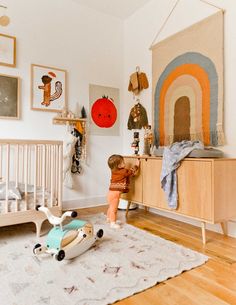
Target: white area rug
122, 263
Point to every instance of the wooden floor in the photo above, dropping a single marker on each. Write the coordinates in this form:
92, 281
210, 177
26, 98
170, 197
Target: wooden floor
213, 283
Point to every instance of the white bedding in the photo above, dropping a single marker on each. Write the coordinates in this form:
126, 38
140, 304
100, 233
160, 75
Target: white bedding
27, 204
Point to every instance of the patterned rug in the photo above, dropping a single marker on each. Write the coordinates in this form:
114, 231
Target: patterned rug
125, 261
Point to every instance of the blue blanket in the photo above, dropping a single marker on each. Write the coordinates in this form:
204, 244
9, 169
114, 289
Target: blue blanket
171, 161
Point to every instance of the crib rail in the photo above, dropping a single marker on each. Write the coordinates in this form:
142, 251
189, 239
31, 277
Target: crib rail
34, 168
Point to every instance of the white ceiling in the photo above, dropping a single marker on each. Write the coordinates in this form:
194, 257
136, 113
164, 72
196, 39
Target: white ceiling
118, 8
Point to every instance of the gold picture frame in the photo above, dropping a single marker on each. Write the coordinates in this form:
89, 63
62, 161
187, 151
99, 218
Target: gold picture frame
7, 50
9, 97
48, 88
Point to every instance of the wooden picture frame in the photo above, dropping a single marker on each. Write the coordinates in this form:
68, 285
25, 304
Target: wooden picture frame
9, 97
7, 50
48, 88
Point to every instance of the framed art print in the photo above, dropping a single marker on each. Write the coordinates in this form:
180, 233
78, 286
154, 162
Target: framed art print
48, 88
7, 50
9, 97
104, 110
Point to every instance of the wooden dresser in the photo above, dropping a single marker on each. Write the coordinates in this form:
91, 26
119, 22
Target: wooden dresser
206, 189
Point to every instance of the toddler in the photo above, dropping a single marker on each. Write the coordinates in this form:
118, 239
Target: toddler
119, 184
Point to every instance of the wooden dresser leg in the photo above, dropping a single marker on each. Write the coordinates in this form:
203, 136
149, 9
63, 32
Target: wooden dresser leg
127, 208
203, 232
146, 208
224, 226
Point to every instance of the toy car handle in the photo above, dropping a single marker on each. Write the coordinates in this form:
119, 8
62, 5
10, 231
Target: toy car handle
54, 220
72, 214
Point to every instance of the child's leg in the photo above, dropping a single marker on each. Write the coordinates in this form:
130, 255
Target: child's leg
113, 201
109, 207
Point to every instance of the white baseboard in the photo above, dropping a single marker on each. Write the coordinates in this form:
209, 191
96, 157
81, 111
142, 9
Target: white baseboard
83, 203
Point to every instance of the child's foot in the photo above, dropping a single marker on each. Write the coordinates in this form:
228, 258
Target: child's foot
114, 225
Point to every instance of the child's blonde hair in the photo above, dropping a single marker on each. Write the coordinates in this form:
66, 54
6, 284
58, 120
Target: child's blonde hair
114, 161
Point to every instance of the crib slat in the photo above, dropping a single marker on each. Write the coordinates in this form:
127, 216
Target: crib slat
7, 175
40, 166
52, 153
17, 173
43, 173
56, 169
48, 168
22, 164
29, 165
60, 176
0, 162
26, 175
35, 174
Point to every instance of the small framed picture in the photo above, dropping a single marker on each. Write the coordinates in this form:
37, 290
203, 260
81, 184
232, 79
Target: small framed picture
48, 88
7, 50
9, 97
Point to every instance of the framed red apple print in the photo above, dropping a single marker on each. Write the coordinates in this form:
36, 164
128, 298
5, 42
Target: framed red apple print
104, 110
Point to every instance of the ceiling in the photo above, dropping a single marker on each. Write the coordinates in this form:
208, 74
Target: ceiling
118, 8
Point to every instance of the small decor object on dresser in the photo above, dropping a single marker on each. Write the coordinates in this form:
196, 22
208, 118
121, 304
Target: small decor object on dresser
9, 97
135, 143
148, 140
48, 88
7, 50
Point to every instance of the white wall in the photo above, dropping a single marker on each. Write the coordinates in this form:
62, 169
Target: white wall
140, 30
89, 45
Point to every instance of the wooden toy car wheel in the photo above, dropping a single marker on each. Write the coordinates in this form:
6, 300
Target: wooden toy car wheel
36, 247
60, 255
100, 233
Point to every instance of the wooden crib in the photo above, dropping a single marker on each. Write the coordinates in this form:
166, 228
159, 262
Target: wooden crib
30, 175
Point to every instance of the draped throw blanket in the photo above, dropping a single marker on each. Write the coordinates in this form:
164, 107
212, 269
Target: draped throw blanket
171, 161
187, 72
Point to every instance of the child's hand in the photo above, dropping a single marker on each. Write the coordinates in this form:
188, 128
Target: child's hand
137, 163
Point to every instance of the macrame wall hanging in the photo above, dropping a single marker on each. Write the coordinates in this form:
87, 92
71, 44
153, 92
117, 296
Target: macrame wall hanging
188, 82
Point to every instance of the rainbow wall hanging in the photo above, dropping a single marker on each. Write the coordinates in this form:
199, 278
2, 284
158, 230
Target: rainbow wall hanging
188, 84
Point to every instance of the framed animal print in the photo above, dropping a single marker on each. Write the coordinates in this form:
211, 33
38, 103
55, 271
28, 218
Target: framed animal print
48, 88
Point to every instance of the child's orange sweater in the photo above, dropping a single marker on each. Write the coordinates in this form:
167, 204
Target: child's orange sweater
120, 179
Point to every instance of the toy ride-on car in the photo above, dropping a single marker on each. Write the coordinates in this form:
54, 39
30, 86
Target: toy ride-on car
68, 241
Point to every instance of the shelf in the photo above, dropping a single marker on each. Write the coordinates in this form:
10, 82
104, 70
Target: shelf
70, 121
